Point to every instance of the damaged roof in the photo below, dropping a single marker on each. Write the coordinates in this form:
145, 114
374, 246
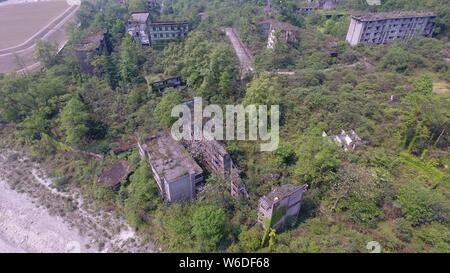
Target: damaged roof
115, 174
375, 16
168, 157
281, 192
139, 17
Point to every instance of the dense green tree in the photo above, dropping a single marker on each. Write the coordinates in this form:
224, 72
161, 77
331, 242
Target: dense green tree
422, 205
141, 195
208, 226
250, 239
74, 118
128, 65
163, 109
45, 53
263, 89
396, 59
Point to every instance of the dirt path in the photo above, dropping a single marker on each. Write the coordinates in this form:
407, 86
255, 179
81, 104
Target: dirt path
245, 59
37, 217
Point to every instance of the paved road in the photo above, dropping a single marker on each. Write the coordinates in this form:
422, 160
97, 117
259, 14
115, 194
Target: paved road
244, 56
20, 58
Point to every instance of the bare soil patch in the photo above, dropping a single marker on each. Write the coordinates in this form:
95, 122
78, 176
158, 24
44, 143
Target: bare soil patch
19, 22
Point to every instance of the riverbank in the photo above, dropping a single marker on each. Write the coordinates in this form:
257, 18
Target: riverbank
36, 217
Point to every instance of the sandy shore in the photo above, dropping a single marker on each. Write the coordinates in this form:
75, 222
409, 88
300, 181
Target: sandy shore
27, 228
36, 217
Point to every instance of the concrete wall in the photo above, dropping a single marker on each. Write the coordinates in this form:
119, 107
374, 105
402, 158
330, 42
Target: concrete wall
179, 190
354, 32
388, 30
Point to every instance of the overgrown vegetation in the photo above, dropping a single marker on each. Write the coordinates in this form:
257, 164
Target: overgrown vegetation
393, 189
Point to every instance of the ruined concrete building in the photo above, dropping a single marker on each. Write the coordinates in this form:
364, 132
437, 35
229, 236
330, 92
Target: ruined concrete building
92, 44
348, 142
178, 176
212, 155
137, 27
385, 27
161, 32
165, 82
271, 28
281, 205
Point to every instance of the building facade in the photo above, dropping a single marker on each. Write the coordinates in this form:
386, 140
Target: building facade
137, 27
281, 205
273, 28
160, 85
161, 32
178, 176
382, 28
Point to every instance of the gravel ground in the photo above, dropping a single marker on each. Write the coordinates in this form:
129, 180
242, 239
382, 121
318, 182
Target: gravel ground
36, 217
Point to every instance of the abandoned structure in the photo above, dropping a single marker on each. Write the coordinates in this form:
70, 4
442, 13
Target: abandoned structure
137, 27
178, 176
163, 83
382, 28
307, 9
348, 142
281, 205
113, 177
212, 155
92, 44
271, 28
161, 32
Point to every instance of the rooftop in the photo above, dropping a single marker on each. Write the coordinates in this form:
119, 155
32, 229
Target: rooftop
168, 157
391, 15
169, 23
281, 192
139, 17
114, 175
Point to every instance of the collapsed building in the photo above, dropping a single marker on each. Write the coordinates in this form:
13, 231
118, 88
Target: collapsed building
178, 176
137, 27
385, 27
348, 142
161, 83
212, 155
281, 205
92, 44
272, 28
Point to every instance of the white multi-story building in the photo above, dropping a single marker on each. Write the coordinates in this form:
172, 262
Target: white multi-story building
385, 27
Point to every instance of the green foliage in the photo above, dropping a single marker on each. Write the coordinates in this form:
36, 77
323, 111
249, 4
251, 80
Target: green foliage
422, 205
45, 53
208, 226
424, 85
263, 89
403, 230
434, 238
317, 160
285, 155
128, 66
249, 239
396, 59
363, 211
141, 196
73, 119
164, 108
